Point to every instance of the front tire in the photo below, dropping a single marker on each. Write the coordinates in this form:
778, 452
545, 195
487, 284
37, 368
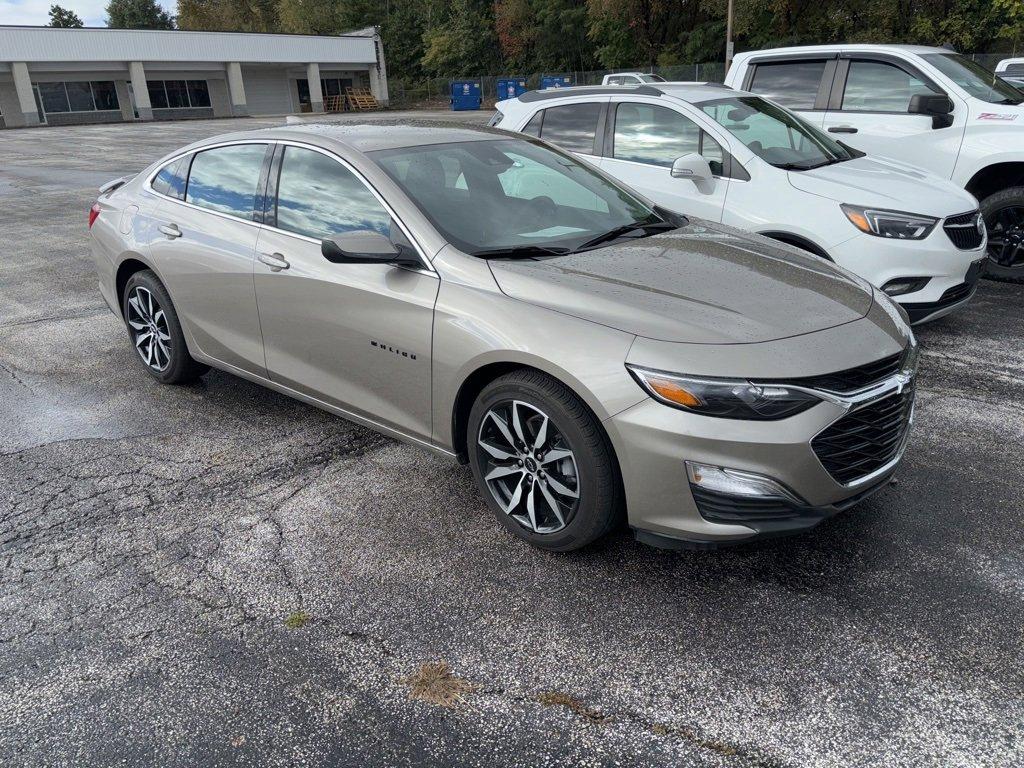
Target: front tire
543, 462
1004, 218
155, 331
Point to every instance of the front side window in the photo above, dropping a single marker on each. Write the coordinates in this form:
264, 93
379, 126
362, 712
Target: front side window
225, 179
646, 133
874, 86
792, 84
978, 81
317, 196
509, 193
775, 134
572, 127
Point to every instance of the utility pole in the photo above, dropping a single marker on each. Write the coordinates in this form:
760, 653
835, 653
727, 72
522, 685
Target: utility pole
728, 38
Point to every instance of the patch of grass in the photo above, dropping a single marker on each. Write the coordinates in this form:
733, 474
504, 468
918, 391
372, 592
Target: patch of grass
297, 620
574, 705
434, 682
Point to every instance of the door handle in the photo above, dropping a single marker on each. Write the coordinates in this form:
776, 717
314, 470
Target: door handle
171, 230
842, 129
275, 261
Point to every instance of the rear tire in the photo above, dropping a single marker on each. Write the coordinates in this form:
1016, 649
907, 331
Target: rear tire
155, 332
1004, 218
559, 488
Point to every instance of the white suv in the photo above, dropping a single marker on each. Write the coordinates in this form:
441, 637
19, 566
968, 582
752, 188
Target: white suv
929, 107
739, 159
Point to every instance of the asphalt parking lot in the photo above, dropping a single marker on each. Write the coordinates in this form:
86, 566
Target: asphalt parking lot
218, 575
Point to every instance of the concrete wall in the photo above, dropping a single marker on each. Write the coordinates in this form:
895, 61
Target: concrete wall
9, 104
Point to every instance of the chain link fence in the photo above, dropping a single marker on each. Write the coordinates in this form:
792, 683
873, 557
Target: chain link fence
434, 93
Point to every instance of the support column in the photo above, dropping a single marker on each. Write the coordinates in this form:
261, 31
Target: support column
239, 106
316, 94
379, 72
26, 99
140, 90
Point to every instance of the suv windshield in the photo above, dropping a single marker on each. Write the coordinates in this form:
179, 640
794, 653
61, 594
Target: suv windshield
652, 78
978, 81
775, 134
514, 196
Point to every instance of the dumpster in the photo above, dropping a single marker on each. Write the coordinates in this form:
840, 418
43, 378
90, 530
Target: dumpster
466, 95
510, 87
555, 81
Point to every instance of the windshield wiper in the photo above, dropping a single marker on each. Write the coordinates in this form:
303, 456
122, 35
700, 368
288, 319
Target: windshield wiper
645, 229
521, 252
1011, 102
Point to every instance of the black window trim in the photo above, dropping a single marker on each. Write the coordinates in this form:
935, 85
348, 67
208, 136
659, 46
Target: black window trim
835, 101
731, 167
825, 86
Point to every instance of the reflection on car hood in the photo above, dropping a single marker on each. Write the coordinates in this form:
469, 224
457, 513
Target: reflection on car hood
884, 183
702, 283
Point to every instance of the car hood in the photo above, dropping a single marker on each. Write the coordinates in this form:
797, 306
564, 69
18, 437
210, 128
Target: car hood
884, 183
702, 283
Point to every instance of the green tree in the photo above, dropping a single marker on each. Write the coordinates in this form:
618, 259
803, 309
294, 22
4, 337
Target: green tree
229, 15
462, 41
138, 14
62, 17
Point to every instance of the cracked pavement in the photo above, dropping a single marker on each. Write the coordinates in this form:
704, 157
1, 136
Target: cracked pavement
156, 541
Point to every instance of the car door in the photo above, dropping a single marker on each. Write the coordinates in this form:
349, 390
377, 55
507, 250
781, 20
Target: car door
355, 336
869, 111
645, 139
801, 83
205, 247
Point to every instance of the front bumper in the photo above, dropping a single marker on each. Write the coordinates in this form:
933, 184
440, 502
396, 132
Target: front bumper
880, 261
952, 298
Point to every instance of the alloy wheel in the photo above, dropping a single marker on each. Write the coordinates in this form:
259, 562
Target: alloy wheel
528, 466
1006, 236
149, 329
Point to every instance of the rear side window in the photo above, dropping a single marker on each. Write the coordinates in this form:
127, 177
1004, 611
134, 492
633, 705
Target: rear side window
170, 180
317, 196
645, 133
874, 86
792, 84
572, 127
533, 127
225, 179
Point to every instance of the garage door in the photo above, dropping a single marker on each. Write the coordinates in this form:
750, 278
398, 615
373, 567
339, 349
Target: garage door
266, 91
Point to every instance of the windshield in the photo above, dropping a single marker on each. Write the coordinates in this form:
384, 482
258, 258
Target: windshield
775, 134
652, 78
979, 82
485, 196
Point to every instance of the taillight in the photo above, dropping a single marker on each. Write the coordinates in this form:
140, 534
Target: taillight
94, 213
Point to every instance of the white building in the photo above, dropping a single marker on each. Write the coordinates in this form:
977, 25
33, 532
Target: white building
99, 75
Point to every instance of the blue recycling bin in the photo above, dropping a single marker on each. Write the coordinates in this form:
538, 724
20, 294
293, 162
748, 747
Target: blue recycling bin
510, 87
466, 95
555, 81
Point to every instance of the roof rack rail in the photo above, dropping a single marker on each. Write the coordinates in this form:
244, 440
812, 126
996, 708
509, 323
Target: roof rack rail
576, 90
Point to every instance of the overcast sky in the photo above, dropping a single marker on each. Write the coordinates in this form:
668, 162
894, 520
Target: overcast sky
38, 11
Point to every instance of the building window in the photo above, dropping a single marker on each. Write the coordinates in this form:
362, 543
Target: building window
178, 94
78, 96
330, 88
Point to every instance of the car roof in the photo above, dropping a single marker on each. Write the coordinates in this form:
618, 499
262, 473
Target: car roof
853, 47
371, 135
693, 92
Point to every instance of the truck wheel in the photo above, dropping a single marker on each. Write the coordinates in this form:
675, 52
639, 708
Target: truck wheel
1004, 218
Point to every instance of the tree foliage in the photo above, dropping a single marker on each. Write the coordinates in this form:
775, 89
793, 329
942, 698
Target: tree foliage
138, 14
475, 37
62, 17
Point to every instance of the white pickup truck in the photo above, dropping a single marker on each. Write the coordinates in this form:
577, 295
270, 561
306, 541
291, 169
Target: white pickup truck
928, 107
631, 78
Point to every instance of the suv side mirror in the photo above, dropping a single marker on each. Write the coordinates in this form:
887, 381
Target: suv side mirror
938, 105
365, 246
693, 167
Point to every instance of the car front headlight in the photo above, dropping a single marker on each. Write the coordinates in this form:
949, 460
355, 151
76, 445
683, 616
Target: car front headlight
724, 398
892, 224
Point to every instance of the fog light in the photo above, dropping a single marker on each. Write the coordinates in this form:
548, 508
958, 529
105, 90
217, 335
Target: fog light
735, 482
902, 285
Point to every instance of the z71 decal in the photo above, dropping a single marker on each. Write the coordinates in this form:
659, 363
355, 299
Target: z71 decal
996, 116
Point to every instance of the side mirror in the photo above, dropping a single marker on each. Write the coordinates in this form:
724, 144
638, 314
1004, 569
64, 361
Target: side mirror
937, 105
692, 167
365, 246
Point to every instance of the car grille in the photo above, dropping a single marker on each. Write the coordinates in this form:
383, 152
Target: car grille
867, 438
852, 379
963, 230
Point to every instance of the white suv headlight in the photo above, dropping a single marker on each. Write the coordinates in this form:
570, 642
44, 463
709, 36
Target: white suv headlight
893, 224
